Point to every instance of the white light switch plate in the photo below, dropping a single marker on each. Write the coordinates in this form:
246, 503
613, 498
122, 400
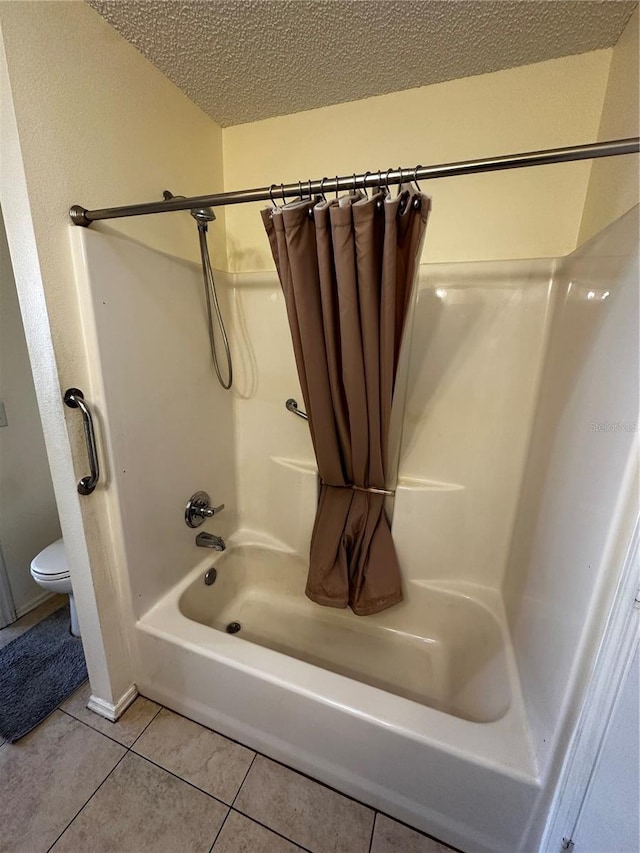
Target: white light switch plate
3, 415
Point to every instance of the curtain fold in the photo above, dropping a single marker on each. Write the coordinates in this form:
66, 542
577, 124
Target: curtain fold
346, 268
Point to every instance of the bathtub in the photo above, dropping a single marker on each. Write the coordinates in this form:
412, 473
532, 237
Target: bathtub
420, 718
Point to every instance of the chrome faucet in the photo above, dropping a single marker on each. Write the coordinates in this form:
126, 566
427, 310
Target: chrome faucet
209, 540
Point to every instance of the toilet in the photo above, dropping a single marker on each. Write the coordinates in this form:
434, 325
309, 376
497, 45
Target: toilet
50, 569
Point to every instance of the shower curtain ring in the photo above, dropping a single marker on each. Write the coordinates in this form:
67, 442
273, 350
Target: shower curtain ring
415, 177
336, 186
300, 190
310, 193
386, 179
364, 183
284, 199
322, 188
271, 196
401, 180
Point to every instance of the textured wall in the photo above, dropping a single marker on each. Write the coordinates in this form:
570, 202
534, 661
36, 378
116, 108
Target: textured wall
526, 213
613, 186
28, 514
89, 121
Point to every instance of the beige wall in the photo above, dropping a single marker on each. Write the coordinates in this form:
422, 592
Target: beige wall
28, 514
86, 119
613, 185
519, 214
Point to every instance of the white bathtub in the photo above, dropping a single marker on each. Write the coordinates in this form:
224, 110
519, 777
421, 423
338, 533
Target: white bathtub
423, 721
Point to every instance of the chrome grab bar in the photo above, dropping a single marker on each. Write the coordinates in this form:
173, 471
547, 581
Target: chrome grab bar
74, 398
292, 406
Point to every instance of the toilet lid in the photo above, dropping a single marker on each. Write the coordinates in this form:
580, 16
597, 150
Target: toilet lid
51, 561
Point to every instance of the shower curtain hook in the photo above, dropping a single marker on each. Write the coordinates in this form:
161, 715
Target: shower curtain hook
364, 183
271, 196
336, 186
284, 198
386, 180
401, 179
322, 188
415, 177
310, 193
379, 190
300, 190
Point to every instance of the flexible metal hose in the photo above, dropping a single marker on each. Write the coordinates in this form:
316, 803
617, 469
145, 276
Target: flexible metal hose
212, 297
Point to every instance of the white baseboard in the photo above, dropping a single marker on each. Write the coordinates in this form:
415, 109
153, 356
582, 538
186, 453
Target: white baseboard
110, 711
33, 603
7, 604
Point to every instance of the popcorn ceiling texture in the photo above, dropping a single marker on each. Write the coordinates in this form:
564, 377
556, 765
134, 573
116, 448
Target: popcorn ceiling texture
252, 59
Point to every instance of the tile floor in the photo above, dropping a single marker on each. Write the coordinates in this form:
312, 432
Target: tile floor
156, 781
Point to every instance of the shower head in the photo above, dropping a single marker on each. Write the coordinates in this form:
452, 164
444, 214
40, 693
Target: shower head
203, 214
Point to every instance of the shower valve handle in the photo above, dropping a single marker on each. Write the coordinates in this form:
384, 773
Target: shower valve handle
198, 508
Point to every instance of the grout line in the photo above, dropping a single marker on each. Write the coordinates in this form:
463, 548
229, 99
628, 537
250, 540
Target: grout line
127, 750
373, 830
306, 776
277, 761
175, 775
219, 830
148, 724
89, 726
244, 780
119, 761
311, 779
208, 728
99, 731
274, 831
256, 752
420, 832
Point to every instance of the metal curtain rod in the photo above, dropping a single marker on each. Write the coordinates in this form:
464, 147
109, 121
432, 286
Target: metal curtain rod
82, 216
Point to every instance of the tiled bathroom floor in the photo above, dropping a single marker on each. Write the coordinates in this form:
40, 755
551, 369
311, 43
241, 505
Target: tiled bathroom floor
157, 781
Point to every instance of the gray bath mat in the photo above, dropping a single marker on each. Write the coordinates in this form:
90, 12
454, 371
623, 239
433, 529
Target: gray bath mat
38, 670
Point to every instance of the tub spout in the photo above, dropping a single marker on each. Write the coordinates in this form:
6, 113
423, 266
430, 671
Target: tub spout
208, 540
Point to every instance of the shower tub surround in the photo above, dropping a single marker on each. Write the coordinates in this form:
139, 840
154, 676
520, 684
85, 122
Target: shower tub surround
445, 705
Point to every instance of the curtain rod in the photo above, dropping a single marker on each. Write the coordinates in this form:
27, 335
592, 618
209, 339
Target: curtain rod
81, 216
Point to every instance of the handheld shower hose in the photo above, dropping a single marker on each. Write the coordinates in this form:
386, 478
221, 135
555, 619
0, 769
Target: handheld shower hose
212, 299
203, 216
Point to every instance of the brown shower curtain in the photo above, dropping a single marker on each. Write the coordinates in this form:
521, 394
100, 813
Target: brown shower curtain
346, 268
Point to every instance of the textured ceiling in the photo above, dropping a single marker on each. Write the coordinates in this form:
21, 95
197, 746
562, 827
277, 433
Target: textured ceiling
245, 60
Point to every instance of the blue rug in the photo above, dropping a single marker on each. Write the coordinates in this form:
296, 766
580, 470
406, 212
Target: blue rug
38, 670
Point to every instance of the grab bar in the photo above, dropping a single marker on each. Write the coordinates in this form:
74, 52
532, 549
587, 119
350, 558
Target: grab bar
292, 406
74, 398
